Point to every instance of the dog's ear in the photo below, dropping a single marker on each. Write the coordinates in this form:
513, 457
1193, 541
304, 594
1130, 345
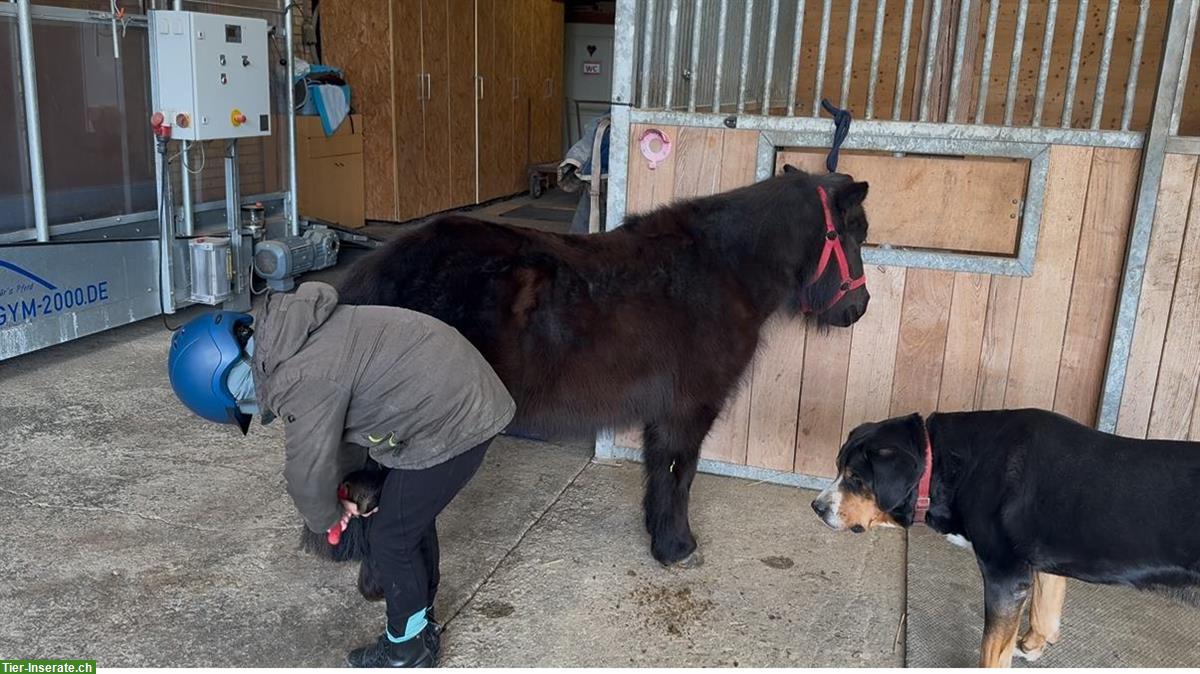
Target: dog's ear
788, 168
852, 195
895, 473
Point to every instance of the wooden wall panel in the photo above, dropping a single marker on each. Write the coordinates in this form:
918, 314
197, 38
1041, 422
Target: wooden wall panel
964, 342
1042, 311
1175, 393
873, 350
822, 401
921, 347
966, 204
775, 394
999, 331
730, 436
1158, 287
938, 340
1102, 242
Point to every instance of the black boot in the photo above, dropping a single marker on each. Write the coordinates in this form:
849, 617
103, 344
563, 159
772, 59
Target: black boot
415, 652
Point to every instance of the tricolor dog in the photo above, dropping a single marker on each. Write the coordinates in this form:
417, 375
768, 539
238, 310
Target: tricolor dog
1039, 498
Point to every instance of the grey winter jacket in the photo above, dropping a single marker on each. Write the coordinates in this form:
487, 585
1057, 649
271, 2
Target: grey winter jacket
347, 380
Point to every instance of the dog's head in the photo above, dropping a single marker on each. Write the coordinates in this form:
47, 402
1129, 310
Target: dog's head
878, 471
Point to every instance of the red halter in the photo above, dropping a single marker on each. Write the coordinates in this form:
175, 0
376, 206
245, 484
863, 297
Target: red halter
833, 248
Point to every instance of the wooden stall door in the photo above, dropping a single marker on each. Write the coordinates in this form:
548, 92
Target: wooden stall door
936, 340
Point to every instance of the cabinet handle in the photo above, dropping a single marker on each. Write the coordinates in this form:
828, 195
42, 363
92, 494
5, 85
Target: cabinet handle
516, 87
421, 86
428, 87
479, 82
549, 87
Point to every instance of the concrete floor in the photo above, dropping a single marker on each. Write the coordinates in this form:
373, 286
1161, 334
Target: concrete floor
138, 535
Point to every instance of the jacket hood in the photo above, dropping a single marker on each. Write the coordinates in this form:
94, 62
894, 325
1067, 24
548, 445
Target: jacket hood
287, 320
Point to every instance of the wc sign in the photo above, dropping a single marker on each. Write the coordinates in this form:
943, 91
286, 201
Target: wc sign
591, 67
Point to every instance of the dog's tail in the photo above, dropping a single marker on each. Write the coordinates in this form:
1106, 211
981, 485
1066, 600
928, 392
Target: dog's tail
352, 547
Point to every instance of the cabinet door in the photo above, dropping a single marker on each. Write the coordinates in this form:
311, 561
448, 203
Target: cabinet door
525, 72
547, 105
353, 35
463, 90
406, 142
435, 184
495, 20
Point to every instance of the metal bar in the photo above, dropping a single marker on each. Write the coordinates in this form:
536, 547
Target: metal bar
1183, 145
33, 120
960, 53
647, 52
985, 74
1044, 67
694, 64
931, 50
902, 64
672, 47
293, 206
869, 133
240, 301
607, 449
848, 60
769, 74
1171, 74
1014, 68
796, 41
744, 71
1185, 68
69, 15
1110, 34
185, 175
876, 48
722, 22
1073, 72
624, 41
1135, 63
822, 49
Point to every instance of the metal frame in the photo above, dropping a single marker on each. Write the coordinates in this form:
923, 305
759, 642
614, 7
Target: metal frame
607, 450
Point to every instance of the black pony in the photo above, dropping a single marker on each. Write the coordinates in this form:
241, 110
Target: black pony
652, 324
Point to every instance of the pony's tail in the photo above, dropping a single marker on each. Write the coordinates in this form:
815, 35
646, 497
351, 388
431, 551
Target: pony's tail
352, 547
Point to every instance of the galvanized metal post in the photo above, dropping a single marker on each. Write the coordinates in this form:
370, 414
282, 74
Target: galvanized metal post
848, 58
1154, 152
647, 53
1014, 70
719, 66
797, 39
237, 243
822, 51
185, 174
1073, 72
292, 202
960, 54
744, 71
769, 73
624, 46
694, 63
33, 120
876, 48
672, 48
931, 51
985, 76
1110, 34
1135, 62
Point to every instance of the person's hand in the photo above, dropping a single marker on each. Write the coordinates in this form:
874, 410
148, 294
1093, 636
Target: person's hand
349, 510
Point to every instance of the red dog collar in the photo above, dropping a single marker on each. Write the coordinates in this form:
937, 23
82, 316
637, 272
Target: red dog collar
833, 249
926, 478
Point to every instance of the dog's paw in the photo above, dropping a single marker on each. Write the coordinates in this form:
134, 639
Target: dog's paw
1032, 646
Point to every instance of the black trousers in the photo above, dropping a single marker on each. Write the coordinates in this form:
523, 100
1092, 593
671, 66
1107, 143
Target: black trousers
403, 539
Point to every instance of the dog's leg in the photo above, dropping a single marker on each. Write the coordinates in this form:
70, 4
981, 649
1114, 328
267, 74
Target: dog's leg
1004, 599
1045, 613
672, 453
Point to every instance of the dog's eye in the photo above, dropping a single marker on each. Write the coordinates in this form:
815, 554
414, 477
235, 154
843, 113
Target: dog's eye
853, 481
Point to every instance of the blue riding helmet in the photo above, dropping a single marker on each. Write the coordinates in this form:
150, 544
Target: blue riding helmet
202, 353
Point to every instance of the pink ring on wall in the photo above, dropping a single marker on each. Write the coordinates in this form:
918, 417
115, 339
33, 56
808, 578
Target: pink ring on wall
655, 146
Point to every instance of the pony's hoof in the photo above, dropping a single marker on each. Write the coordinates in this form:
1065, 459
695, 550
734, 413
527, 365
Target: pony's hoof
692, 561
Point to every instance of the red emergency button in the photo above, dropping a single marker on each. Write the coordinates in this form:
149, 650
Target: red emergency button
182, 121
237, 117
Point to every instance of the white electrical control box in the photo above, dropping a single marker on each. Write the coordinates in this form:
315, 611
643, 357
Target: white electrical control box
213, 76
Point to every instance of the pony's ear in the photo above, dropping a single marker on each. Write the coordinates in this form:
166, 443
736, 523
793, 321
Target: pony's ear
788, 168
852, 195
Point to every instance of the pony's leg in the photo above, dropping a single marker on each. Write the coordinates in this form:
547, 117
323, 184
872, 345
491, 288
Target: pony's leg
672, 450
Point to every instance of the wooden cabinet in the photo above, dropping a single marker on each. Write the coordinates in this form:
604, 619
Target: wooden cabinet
329, 171
473, 94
